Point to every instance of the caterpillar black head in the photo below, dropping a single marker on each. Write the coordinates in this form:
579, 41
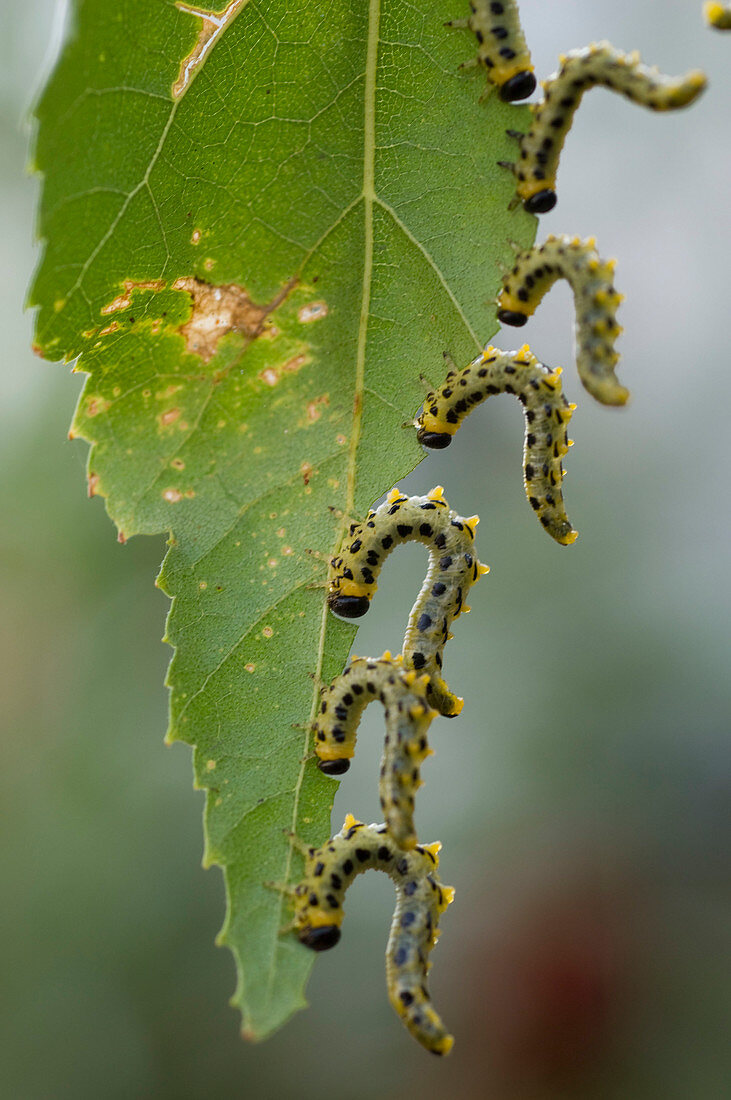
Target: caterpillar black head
435, 441
519, 86
541, 202
333, 767
511, 317
350, 607
320, 939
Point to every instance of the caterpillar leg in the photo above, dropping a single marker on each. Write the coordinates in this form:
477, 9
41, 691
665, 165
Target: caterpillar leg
718, 16
420, 900
597, 65
501, 47
546, 410
595, 299
408, 718
453, 569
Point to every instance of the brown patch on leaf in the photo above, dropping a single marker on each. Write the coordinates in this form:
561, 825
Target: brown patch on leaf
124, 301
93, 484
96, 405
271, 375
306, 469
212, 25
294, 364
315, 407
218, 310
168, 417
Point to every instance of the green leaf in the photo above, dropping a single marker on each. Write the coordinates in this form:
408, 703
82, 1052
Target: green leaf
259, 229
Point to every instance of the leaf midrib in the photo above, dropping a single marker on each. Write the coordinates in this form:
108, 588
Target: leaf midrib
369, 197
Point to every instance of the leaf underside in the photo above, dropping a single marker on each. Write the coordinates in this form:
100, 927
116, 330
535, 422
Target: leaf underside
259, 228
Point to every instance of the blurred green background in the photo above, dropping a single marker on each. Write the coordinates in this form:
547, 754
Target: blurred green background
582, 798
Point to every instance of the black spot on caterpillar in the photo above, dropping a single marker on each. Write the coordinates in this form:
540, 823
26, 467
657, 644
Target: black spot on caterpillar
547, 413
595, 298
453, 568
420, 900
579, 70
718, 16
502, 48
408, 717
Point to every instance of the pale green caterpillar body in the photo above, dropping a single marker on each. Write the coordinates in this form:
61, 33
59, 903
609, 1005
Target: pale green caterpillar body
420, 901
546, 410
597, 64
596, 302
502, 49
453, 568
718, 16
408, 717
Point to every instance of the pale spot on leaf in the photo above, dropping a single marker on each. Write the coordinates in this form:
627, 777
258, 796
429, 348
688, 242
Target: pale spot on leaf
314, 408
313, 311
169, 416
96, 405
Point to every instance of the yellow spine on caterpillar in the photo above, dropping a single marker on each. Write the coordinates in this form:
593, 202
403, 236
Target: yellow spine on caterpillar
718, 16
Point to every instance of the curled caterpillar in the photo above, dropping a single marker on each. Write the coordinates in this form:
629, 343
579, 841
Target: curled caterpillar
718, 16
408, 717
595, 298
453, 568
502, 48
420, 900
547, 413
579, 70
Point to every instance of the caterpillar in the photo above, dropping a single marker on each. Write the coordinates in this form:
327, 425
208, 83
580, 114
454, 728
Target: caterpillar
420, 900
453, 568
502, 48
547, 413
718, 16
595, 298
408, 717
579, 70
